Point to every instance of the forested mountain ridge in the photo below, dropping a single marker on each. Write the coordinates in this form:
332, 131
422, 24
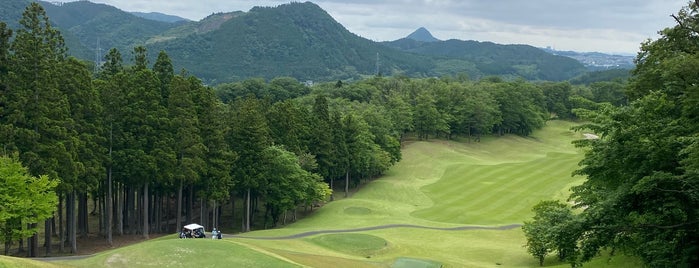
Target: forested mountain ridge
299, 40
495, 59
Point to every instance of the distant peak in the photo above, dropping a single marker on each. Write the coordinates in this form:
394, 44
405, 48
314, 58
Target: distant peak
423, 35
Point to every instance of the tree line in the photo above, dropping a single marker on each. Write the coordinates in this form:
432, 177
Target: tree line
153, 149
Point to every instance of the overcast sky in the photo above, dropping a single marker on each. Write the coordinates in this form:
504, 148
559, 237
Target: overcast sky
611, 26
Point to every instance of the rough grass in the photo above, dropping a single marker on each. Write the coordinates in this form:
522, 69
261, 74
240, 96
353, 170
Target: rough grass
12, 262
174, 252
437, 184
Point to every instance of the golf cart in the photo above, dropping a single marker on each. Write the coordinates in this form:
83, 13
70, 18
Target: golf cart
193, 231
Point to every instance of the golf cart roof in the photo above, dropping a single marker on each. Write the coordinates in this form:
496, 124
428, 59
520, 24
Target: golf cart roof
193, 226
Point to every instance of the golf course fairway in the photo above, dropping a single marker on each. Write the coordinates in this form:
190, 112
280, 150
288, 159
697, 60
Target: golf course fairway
445, 204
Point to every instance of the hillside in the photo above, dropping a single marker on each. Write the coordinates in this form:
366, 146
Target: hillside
111, 27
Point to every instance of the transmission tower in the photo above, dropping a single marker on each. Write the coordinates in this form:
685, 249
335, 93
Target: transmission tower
98, 57
377, 64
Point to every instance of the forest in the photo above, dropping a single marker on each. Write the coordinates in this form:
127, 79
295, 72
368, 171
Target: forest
149, 149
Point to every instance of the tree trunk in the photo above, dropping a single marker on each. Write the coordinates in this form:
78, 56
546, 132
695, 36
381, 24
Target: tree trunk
157, 210
61, 234
214, 215
72, 226
120, 208
82, 215
168, 211
108, 204
203, 213
146, 196
347, 183
33, 243
190, 204
47, 235
128, 216
332, 193
178, 216
233, 209
247, 212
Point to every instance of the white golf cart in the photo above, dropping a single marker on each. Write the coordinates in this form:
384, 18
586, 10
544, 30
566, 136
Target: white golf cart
193, 231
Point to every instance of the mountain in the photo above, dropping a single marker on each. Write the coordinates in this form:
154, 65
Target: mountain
422, 35
157, 16
300, 40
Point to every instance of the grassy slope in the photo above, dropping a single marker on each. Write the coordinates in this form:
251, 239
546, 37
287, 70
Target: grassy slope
437, 184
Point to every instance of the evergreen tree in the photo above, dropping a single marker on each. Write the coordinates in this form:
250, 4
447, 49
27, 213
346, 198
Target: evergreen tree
5, 64
39, 109
188, 144
249, 137
218, 156
113, 64
164, 71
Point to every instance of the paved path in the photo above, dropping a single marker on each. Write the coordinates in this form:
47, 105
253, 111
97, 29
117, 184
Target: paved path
388, 226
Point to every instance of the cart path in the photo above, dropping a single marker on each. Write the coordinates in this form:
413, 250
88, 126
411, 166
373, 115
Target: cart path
380, 227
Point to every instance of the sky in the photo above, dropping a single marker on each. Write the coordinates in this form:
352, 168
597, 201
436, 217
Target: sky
609, 26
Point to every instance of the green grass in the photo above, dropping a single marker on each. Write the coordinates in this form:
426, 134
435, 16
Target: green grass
437, 184
12, 262
175, 252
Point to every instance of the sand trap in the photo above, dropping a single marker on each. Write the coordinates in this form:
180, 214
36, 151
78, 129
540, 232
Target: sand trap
590, 136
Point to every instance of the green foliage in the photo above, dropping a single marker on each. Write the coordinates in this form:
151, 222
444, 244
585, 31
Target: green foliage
551, 231
288, 184
249, 136
522, 106
24, 199
600, 76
